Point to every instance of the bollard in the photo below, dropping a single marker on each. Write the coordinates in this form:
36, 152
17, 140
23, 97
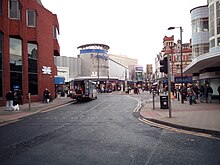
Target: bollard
29, 101
153, 100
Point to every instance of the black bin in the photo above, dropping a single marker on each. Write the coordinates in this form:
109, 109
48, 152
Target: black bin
163, 102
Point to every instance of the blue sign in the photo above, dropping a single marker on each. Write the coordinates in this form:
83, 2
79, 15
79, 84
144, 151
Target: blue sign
185, 79
103, 51
59, 80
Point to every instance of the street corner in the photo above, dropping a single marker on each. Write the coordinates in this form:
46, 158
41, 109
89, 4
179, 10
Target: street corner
150, 114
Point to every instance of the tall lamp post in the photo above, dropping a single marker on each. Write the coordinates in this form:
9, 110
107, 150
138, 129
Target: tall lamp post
181, 60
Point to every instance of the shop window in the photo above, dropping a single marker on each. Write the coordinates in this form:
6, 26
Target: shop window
15, 64
31, 18
32, 68
33, 83
16, 80
14, 9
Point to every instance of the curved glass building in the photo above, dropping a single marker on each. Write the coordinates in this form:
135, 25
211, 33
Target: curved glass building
205, 65
94, 60
200, 31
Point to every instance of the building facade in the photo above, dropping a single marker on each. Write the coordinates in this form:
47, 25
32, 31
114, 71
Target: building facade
174, 51
205, 65
124, 60
72, 63
94, 60
28, 44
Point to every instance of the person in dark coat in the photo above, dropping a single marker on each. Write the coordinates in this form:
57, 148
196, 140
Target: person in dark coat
202, 93
208, 93
9, 103
196, 90
46, 95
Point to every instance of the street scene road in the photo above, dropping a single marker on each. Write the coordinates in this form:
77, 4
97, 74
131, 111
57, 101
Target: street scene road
103, 131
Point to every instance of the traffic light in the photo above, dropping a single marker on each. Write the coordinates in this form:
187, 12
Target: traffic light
163, 65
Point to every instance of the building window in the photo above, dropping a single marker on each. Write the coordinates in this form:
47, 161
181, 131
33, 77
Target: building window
14, 9
212, 43
55, 32
211, 20
200, 25
31, 18
218, 17
1, 7
32, 68
1, 64
15, 64
200, 49
218, 41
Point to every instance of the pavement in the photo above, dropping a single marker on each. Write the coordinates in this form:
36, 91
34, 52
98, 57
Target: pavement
30, 109
200, 117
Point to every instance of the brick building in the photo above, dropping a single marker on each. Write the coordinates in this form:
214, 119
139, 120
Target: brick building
28, 44
174, 50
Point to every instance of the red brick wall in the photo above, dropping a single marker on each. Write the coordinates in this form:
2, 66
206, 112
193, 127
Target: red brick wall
42, 34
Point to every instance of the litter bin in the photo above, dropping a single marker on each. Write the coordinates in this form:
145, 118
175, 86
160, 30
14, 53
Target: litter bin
163, 102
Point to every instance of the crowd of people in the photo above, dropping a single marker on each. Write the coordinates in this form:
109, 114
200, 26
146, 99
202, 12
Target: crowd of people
192, 93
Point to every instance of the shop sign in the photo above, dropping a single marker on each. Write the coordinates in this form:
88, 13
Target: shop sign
46, 70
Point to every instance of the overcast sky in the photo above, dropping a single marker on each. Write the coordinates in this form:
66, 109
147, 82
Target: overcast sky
134, 28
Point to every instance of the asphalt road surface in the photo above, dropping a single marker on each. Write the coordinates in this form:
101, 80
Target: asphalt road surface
100, 132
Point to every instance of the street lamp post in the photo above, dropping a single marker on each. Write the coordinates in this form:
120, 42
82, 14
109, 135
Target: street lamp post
98, 81
181, 60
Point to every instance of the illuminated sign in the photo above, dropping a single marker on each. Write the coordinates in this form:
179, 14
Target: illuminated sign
46, 70
138, 69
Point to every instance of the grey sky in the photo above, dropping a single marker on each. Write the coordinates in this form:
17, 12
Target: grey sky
132, 28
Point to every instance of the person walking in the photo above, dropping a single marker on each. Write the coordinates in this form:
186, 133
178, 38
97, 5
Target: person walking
184, 92
218, 93
9, 103
196, 90
46, 96
190, 94
208, 93
202, 94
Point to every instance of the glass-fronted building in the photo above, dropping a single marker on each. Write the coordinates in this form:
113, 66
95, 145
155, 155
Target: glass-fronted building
205, 65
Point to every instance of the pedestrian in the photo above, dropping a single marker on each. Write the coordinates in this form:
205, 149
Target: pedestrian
196, 90
184, 92
208, 93
202, 93
16, 101
190, 94
218, 93
46, 96
9, 103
